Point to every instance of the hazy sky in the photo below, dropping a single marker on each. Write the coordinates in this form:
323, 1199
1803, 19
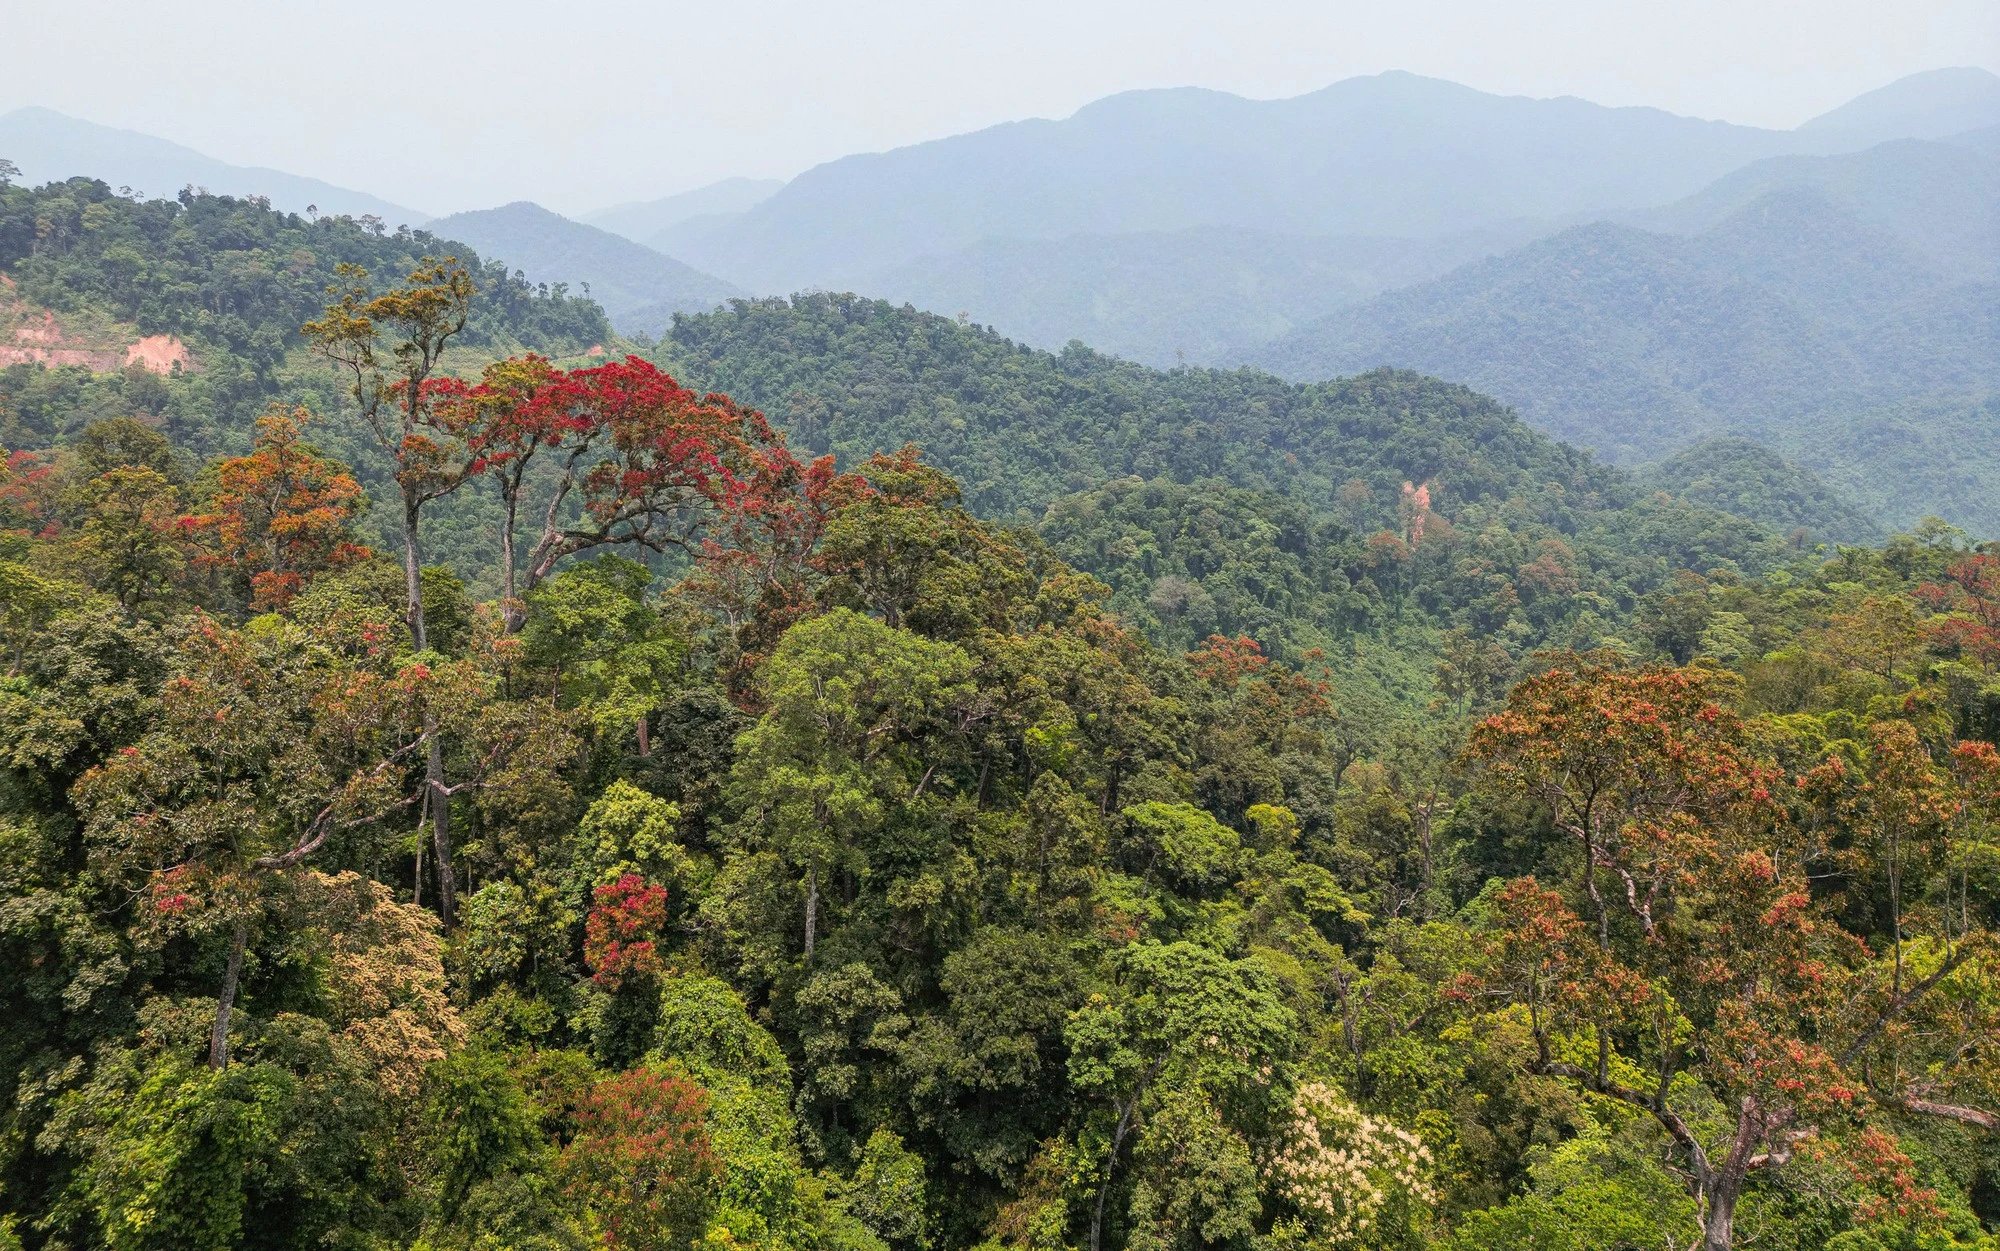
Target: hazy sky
449, 104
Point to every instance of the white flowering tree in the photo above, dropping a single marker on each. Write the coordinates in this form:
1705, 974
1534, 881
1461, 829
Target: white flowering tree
1349, 1179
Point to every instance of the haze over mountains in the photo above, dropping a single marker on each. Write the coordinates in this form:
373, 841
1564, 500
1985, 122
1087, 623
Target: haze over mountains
48, 146
647, 221
1393, 154
1629, 279
639, 288
1802, 302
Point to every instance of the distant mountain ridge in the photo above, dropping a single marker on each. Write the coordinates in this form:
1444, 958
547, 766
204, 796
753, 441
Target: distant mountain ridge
1394, 154
1932, 105
49, 146
1938, 202
1207, 295
644, 221
639, 289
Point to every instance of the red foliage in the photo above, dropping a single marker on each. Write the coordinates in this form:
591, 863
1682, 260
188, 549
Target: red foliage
281, 514
1877, 1161
1968, 601
760, 569
621, 935
1693, 937
654, 463
641, 1161
1226, 661
28, 487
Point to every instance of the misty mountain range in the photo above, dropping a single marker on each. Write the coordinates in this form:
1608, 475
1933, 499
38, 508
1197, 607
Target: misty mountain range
1627, 278
47, 145
639, 288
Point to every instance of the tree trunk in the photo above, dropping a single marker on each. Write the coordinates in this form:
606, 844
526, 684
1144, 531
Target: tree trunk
512, 615
423, 814
812, 910
1724, 1185
1718, 1229
1118, 1133
413, 575
218, 1041
645, 737
434, 785
440, 825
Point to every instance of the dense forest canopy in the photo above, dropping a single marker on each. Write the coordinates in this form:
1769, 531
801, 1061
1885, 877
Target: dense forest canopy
1168, 810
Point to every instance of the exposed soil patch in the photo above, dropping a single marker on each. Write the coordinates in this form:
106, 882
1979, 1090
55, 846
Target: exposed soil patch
30, 336
159, 353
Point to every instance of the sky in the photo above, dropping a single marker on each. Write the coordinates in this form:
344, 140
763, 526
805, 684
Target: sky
444, 105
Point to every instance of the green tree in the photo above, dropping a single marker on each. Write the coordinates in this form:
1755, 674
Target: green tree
849, 702
1189, 1031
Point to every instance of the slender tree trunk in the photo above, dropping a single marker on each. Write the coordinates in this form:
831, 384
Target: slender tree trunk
510, 606
440, 826
812, 910
218, 1041
1896, 904
645, 737
413, 574
434, 784
423, 815
1123, 1128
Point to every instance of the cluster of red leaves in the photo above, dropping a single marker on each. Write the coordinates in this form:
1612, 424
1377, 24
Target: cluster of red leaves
621, 935
1968, 604
641, 1160
1878, 1162
1225, 661
1655, 737
171, 889
764, 570
1552, 571
28, 487
1547, 957
653, 462
1647, 771
280, 515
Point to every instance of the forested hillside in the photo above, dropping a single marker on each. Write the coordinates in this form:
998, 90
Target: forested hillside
1363, 517
88, 274
1749, 480
866, 875
233, 278
1822, 308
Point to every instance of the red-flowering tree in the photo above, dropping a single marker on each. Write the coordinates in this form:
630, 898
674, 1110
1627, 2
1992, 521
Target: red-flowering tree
1968, 601
280, 515
28, 489
641, 1165
1692, 946
637, 458
622, 934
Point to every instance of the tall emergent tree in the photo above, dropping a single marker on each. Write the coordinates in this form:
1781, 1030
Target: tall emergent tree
637, 459
399, 401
